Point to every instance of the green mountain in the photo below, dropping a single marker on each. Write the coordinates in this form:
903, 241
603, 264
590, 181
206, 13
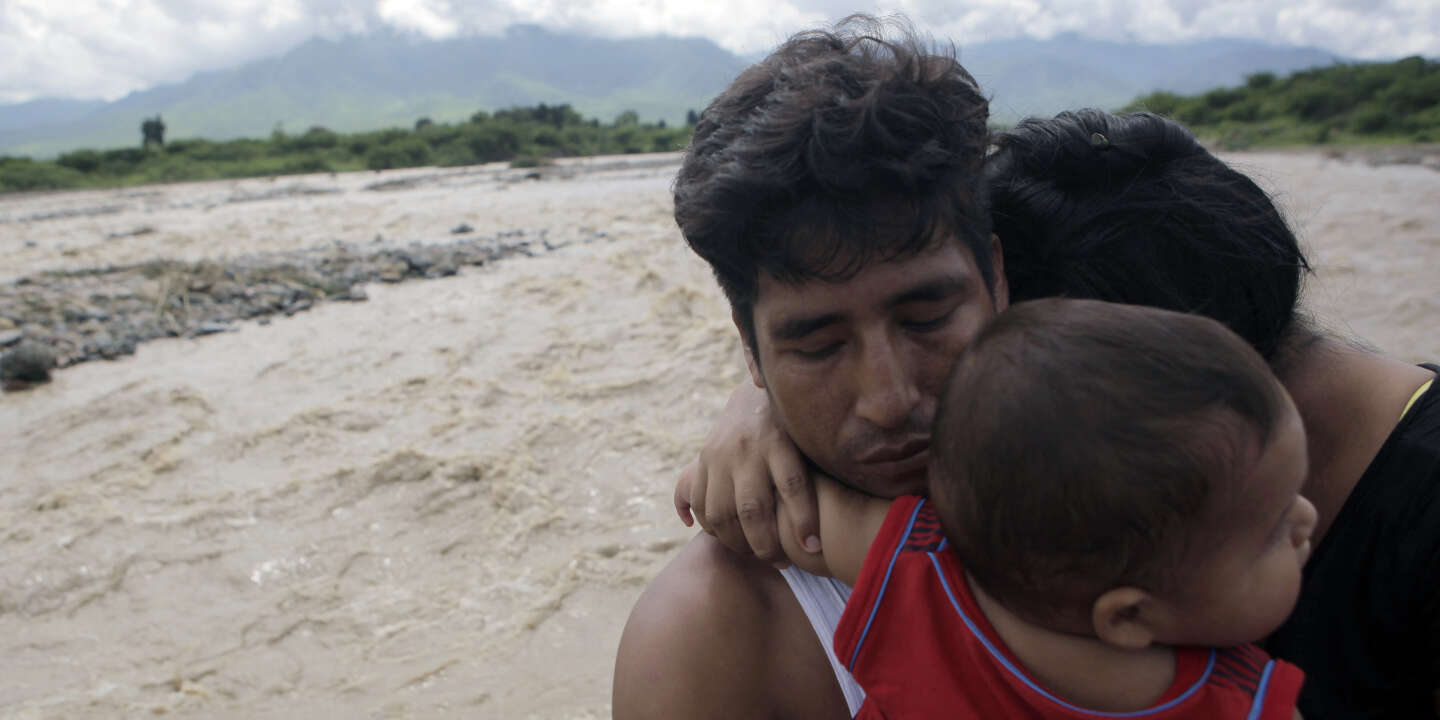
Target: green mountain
1042, 77
390, 80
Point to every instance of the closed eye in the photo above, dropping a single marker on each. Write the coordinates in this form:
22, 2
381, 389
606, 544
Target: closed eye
930, 324
817, 354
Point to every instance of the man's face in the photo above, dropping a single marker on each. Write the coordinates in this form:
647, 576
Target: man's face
855, 368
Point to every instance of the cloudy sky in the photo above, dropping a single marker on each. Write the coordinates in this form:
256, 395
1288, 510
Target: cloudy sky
107, 48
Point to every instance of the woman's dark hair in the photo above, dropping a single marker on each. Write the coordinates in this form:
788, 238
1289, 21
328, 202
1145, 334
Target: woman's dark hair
841, 148
1131, 209
1082, 446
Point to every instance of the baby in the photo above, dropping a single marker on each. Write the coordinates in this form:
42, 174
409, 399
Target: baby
1114, 514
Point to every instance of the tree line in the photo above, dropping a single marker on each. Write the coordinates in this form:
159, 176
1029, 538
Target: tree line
1348, 103
523, 136
1345, 103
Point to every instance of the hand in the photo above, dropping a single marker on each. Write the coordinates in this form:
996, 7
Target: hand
747, 460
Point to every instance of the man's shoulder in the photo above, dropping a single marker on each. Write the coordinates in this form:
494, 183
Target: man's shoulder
707, 589
715, 629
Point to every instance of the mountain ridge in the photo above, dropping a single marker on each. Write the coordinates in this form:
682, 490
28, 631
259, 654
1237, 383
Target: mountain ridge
357, 83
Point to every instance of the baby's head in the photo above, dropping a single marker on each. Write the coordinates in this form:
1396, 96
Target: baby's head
1123, 472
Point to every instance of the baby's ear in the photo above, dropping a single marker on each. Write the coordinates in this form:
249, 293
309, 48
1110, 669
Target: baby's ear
1123, 617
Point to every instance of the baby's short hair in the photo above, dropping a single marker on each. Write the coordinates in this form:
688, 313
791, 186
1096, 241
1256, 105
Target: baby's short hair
1082, 445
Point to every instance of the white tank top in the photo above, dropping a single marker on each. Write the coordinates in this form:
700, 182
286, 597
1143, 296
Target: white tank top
823, 600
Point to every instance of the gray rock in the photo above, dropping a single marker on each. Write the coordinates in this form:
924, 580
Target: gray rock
26, 365
393, 271
118, 348
297, 306
415, 261
354, 294
10, 337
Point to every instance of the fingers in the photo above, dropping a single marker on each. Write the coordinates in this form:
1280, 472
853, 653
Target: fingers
797, 495
721, 518
755, 510
682, 493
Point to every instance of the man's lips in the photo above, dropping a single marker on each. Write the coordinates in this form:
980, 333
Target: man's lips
896, 452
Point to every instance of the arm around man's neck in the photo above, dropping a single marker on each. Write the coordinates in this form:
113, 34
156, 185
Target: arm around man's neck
849, 523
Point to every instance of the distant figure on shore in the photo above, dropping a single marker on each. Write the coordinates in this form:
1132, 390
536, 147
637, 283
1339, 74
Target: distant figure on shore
153, 131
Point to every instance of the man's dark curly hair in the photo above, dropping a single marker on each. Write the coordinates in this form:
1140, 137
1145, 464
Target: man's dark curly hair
843, 147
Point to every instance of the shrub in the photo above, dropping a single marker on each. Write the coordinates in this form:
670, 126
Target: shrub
454, 154
307, 164
316, 138
1260, 80
1370, 120
404, 152
492, 142
84, 161
1220, 98
26, 174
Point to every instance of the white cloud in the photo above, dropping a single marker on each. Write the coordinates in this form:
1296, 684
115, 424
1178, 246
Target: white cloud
1353, 28
432, 18
102, 48
95, 48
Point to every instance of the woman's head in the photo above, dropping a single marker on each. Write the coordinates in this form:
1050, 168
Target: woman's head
1131, 209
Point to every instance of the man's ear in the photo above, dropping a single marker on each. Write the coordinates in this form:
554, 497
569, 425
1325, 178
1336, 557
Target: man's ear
752, 362
997, 271
1124, 617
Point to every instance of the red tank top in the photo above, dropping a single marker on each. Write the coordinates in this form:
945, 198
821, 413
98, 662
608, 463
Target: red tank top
914, 638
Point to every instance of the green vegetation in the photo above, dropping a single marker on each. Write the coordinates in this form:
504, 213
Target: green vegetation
526, 136
1396, 102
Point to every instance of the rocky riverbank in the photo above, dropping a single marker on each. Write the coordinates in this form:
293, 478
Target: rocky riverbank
104, 313
91, 274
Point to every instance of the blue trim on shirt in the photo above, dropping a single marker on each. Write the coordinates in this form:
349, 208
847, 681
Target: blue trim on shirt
875, 606
1004, 662
1259, 705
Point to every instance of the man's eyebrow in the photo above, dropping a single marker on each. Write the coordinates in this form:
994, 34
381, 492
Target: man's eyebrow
930, 291
939, 288
798, 327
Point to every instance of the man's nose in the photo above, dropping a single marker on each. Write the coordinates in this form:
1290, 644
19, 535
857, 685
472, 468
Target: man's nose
886, 386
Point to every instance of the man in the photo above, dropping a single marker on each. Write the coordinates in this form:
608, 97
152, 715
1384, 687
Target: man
836, 190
